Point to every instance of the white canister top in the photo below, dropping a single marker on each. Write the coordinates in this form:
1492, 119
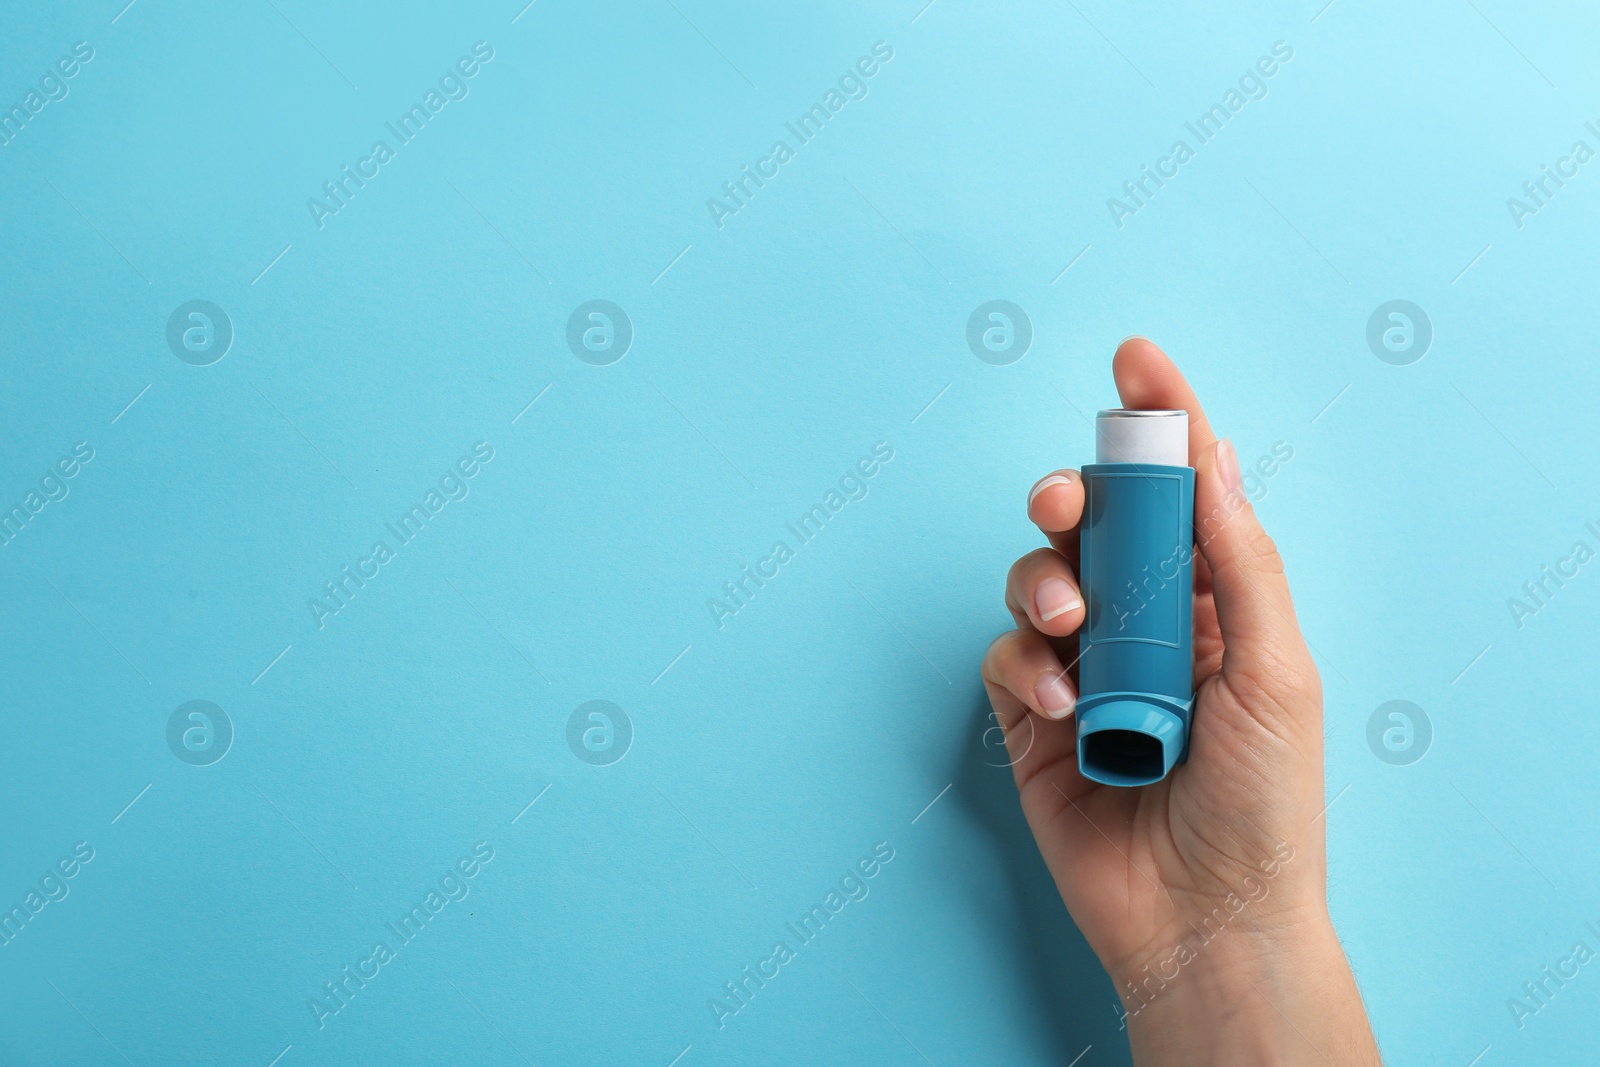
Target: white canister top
1125, 436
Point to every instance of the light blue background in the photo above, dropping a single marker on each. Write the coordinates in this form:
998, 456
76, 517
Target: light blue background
773, 353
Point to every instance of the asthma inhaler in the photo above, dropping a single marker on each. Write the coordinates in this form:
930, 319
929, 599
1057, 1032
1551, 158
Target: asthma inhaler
1135, 664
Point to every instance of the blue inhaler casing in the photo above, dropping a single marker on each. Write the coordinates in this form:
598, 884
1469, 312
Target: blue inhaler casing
1135, 664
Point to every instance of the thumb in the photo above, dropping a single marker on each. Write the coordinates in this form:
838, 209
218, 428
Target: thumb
1261, 639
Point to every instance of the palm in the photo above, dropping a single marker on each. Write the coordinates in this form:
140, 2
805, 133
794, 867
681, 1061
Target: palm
1119, 856
1141, 868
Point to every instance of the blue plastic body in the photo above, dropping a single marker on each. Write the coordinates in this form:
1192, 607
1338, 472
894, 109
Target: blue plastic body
1136, 658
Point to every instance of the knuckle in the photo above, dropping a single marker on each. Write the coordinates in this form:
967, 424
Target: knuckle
1277, 678
1001, 651
1027, 571
1254, 553
1263, 552
1015, 657
1037, 559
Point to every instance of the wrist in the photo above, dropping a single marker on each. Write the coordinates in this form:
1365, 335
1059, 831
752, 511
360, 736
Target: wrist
1263, 993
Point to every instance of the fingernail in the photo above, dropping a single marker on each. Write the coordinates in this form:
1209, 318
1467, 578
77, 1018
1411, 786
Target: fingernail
1228, 466
1132, 337
1054, 695
1046, 482
1053, 597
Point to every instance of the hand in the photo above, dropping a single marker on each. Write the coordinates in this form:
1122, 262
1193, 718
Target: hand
1203, 895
